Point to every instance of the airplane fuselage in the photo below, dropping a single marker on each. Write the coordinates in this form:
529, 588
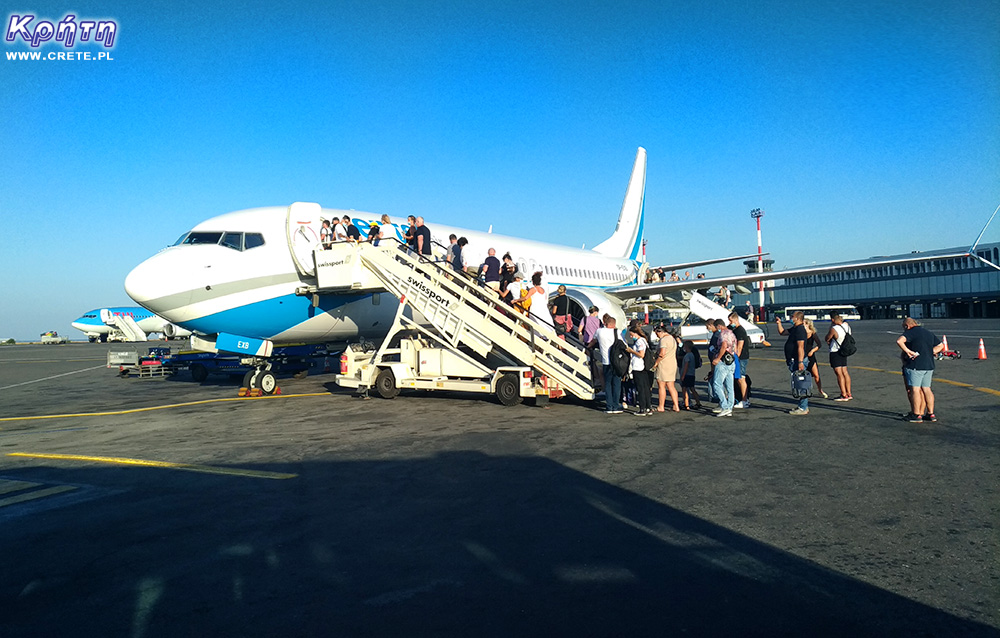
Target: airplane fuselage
236, 273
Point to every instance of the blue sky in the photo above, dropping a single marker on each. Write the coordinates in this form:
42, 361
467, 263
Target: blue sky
862, 128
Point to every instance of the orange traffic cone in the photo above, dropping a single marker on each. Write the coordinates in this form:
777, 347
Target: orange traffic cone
982, 351
944, 338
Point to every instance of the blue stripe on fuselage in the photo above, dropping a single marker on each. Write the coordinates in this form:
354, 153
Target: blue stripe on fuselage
264, 319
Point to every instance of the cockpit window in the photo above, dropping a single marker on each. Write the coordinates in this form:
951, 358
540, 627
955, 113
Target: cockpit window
229, 239
233, 240
202, 238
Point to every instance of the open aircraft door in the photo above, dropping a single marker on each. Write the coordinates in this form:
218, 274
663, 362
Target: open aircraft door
302, 228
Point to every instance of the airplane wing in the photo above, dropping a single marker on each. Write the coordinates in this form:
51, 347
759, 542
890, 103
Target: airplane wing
705, 262
644, 290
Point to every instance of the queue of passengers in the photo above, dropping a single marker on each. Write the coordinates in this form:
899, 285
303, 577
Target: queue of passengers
673, 360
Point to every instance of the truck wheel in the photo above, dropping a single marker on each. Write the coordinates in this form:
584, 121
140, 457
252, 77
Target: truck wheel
267, 382
507, 389
385, 384
199, 372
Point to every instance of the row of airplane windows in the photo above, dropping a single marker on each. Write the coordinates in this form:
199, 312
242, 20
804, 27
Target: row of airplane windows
901, 270
229, 239
576, 272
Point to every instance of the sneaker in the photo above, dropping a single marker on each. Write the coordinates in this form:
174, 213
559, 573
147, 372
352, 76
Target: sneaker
609, 412
930, 417
825, 395
746, 404
725, 413
716, 410
799, 411
642, 414
915, 418
738, 405
842, 399
617, 411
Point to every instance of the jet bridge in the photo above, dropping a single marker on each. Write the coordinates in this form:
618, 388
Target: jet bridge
483, 339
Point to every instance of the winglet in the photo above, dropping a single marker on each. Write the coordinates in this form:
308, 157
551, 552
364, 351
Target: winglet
626, 241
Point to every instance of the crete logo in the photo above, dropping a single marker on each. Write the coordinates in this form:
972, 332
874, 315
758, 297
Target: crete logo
67, 31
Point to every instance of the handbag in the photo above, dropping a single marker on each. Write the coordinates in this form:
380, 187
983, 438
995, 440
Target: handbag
560, 325
801, 384
564, 323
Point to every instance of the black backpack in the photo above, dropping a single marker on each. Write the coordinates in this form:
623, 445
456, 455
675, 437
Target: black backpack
619, 357
848, 346
648, 358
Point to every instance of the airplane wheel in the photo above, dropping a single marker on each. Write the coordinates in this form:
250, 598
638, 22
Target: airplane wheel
248, 379
199, 372
507, 390
267, 382
385, 384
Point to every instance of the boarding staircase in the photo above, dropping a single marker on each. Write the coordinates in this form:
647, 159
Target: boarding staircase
461, 311
124, 327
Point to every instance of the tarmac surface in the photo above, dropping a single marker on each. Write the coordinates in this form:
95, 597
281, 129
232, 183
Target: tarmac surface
315, 513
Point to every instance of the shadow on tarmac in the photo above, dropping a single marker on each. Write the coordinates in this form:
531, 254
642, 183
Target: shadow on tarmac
460, 543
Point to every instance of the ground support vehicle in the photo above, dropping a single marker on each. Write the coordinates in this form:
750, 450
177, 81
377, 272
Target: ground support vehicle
448, 333
295, 360
131, 364
53, 337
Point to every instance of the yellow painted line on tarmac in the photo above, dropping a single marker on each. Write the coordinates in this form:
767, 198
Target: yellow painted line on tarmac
205, 469
898, 373
30, 496
161, 407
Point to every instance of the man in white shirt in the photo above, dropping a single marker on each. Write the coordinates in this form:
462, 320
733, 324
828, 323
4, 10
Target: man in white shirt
605, 338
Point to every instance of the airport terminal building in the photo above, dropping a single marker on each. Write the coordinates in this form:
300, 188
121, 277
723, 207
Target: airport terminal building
951, 288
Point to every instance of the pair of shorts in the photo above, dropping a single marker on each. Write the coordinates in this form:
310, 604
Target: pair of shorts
837, 360
918, 378
744, 367
687, 382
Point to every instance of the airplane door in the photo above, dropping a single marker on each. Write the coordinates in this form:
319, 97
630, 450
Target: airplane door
302, 230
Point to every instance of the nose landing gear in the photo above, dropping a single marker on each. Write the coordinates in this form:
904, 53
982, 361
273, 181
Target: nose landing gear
260, 380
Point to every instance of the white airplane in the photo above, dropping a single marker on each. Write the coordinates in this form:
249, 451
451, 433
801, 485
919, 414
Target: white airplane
242, 279
95, 325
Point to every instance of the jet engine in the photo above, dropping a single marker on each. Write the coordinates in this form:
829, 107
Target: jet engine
171, 331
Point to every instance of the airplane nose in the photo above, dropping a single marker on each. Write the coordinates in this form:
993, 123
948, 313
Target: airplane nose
140, 284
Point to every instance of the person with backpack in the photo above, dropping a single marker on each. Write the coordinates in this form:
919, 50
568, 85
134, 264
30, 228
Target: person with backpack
457, 254
842, 345
642, 364
690, 363
612, 349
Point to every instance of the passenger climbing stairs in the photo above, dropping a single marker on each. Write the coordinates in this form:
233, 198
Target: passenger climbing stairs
460, 312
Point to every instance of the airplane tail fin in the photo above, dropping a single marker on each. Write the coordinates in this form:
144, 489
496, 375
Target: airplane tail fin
626, 241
